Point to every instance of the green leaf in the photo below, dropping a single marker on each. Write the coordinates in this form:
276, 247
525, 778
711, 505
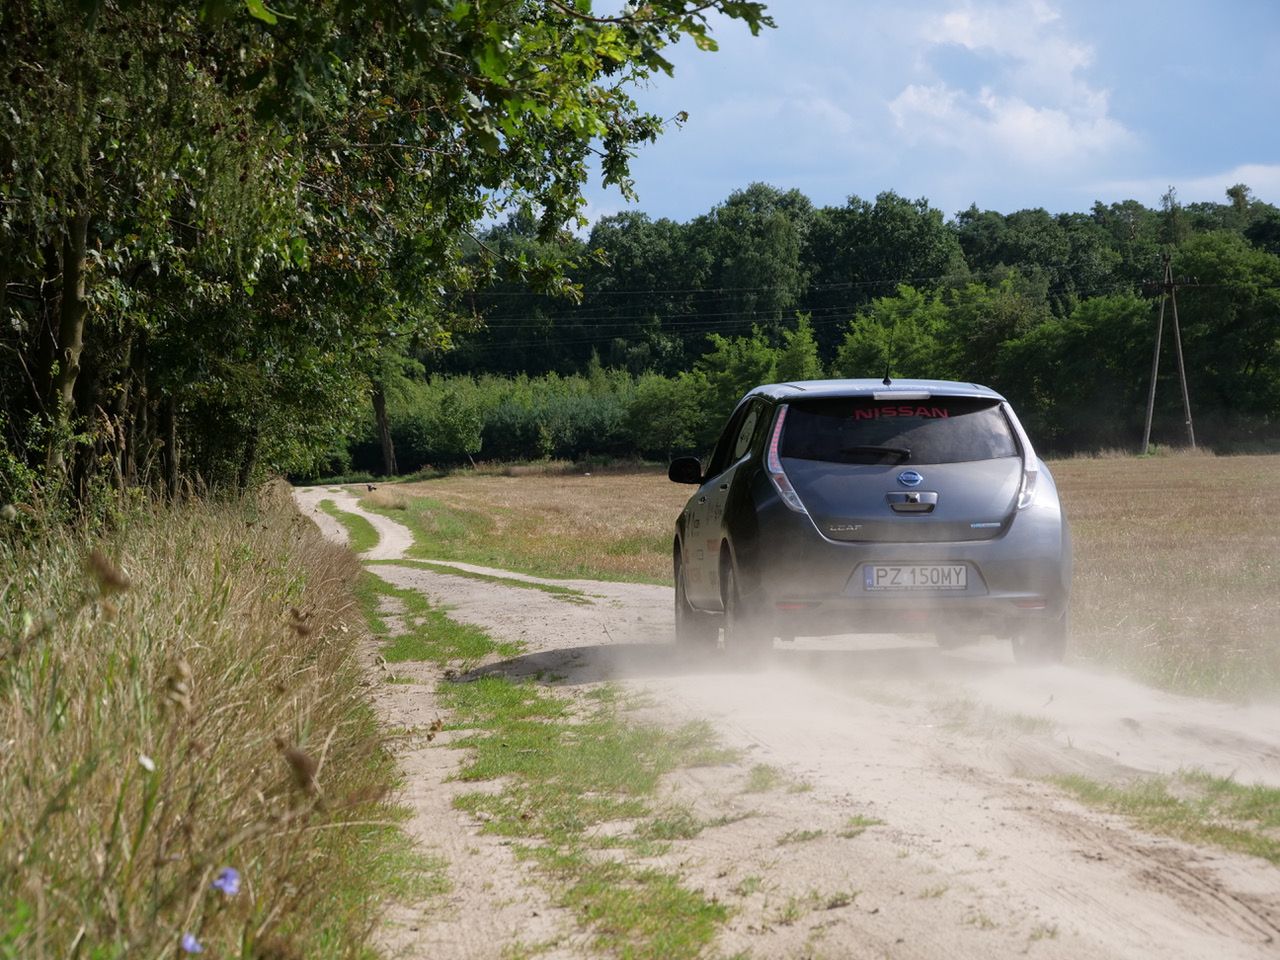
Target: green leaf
491, 62
259, 9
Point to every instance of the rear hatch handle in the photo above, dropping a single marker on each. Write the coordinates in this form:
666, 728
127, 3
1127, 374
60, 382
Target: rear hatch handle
912, 502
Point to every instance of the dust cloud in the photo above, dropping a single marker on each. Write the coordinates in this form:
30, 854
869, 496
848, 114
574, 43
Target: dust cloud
1052, 719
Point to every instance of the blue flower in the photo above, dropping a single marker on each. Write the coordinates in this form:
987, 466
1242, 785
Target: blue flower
190, 944
228, 881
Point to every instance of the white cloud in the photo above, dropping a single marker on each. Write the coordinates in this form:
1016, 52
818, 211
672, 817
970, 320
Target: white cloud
1263, 179
1038, 109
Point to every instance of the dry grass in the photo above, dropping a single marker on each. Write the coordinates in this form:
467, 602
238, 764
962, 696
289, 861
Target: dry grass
1177, 557
1178, 568
617, 526
387, 498
184, 702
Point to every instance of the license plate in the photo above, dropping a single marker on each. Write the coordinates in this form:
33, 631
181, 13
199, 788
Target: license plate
915, 576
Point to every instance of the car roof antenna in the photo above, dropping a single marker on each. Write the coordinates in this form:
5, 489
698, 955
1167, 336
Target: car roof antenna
886, 381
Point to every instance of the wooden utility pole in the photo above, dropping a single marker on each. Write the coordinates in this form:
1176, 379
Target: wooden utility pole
1169, 295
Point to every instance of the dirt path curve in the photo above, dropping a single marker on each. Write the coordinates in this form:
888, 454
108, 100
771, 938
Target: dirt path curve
959, 846
393, 538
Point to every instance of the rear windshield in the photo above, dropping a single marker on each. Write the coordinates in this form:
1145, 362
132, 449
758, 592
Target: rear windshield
865, 430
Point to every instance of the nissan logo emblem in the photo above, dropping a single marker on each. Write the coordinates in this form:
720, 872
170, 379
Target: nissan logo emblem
910, 478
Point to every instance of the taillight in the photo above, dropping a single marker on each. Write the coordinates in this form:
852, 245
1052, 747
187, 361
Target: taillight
1030, 464
773, 466
1027, 492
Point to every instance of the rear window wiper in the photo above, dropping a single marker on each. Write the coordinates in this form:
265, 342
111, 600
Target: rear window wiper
901, 453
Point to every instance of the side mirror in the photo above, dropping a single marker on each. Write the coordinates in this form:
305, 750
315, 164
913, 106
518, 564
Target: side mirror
685, 470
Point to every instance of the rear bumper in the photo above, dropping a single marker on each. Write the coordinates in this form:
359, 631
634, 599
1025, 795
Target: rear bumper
799, 582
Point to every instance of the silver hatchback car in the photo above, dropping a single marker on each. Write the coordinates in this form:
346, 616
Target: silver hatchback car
868, 506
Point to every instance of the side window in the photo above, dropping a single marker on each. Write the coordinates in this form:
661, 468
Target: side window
746, 432
724, 446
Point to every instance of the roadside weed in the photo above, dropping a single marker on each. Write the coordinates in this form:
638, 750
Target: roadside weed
568, 594
799, 836
187, 749
856, 826
1193, 806
762, 778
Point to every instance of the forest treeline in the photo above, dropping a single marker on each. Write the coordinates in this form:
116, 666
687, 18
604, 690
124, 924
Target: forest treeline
669, 323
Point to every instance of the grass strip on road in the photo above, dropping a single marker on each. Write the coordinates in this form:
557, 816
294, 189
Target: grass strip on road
1193, 806
425, 633
566, 769
362, 536
568, 594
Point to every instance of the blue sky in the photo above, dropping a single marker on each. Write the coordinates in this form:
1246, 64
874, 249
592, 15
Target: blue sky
1003, 103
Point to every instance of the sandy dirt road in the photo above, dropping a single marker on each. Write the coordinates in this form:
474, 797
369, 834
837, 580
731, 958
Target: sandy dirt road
973, 854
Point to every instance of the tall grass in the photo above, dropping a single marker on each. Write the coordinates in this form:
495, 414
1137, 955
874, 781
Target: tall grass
178, 699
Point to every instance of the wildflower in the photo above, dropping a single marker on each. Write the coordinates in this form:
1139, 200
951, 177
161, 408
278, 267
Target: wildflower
146, 763
228, 881
9, 512
190, 944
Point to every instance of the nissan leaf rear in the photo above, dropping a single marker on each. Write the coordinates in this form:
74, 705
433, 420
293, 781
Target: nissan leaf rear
919, 506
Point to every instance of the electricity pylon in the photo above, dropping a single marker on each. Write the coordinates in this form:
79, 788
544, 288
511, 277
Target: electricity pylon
1170, 296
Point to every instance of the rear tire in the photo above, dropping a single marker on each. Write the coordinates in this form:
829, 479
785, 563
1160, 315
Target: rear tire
744, 638
1041, 642
694, 630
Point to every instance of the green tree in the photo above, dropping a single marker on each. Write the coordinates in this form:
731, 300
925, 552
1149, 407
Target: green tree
905, 335
981, 319
748, 250
798, 356
729, 369
1134, 232
1067, 255
1231, 333
666, 416
866, 250
1079, 381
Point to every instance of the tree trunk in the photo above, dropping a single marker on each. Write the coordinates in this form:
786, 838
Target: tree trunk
47, 339
119, 421
71, 318
142, 446
169, 424
384, 430
137, 429
250, 459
